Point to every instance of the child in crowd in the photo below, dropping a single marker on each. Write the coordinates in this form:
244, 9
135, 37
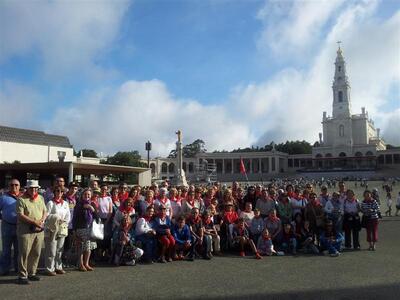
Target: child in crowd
242, 239
183, 239
264, 244
288, 243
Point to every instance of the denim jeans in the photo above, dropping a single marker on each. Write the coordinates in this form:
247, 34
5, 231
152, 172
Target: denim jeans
9, 240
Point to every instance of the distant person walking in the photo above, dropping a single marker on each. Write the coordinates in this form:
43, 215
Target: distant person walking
389, 203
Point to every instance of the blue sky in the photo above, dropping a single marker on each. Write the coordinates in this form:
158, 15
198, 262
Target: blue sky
234, 73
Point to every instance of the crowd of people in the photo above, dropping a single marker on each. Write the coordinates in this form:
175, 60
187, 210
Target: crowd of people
122, 225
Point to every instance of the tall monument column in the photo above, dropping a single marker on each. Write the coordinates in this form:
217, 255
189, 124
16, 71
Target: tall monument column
180, 178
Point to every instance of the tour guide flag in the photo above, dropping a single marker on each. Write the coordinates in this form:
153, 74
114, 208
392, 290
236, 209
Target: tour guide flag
242, 167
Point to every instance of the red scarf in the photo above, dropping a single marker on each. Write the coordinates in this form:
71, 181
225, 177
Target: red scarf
191, 202
115, 199
125, 209
291, 194
123, 197
175, 200
58, 201
33, 198
15, 196
316, 203
207, 220
163, 200
147, 218
195, 220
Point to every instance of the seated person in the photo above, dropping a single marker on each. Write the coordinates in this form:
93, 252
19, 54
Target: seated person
331, 240
257, 226
264, 244
145, 234
242, 239
183, 239
210, 232
163, 225
288, 242
125, 251
197, 230
229, 220
306, 240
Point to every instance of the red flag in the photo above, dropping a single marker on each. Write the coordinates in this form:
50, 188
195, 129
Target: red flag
242, 167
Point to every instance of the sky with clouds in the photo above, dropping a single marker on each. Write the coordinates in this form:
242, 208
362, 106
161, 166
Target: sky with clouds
113, 74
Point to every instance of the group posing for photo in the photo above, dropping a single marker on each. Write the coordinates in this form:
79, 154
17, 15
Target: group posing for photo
123, 226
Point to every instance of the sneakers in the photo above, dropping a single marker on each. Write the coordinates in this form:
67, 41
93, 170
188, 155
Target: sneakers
242, 254
23, 281
336, 254
60, 272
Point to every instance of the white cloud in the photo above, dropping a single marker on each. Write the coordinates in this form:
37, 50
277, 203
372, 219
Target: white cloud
125, 118
292, 27
68, 35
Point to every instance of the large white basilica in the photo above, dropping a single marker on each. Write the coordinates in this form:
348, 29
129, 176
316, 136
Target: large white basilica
346, 135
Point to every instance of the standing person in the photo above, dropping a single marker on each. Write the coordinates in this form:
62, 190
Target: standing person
58, 182
189, 203
247, 214
70, 197
266, 203
56, 229
389, 203
163, 200
175, 204
84, 214
314, 213
31, 212
371, 211
146, 202
8, 203
324, 196
334, 210
284, 209
123, 193
105, 212
351, 224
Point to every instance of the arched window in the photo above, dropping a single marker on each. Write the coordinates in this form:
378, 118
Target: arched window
342, 154
171, 167
341, 130
164, 167
340, 96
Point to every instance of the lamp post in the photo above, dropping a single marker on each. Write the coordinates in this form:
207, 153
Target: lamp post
148, 149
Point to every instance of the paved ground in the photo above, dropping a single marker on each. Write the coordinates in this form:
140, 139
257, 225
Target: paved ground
354, 275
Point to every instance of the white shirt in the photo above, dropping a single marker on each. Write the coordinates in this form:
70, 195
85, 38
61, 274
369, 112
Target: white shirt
104, 206
142, 226
351, 207
61, 210
167, 204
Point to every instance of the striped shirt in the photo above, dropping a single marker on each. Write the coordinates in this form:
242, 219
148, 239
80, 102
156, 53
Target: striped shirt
370, 209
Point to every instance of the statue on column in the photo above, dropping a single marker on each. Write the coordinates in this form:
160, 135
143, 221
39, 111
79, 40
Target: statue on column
180, 178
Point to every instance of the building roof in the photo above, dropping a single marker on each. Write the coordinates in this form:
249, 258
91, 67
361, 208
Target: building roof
26, 136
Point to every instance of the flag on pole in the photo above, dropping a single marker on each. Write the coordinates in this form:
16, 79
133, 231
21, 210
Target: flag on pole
242, 167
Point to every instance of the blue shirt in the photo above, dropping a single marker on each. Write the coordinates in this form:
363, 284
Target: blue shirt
8, 210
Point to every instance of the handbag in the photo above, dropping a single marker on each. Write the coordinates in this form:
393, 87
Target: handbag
97, 230
364, 221
63, 230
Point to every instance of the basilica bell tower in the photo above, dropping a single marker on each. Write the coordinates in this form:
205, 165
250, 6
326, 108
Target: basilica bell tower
341, 107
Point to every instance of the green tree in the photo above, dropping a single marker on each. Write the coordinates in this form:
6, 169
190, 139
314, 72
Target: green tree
190, 150
86, 153
125, 158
